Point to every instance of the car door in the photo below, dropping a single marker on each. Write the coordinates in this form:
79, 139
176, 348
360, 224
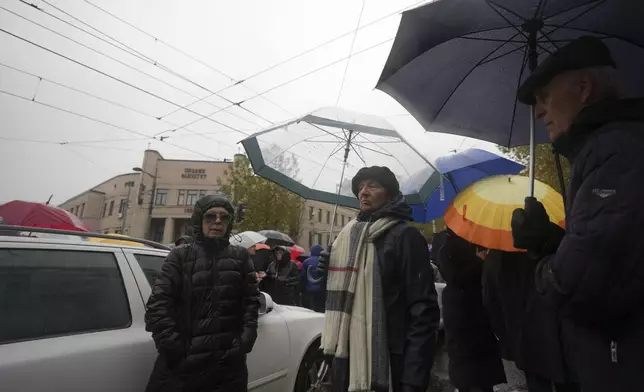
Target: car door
72, 320
268, 362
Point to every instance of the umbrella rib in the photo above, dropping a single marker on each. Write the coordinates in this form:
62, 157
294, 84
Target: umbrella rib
393, 156
490, 3
503, 55
627, 40
571, 8
339, 147
325, 131
541, 6
357, 153
468, 74
597, 4
524, 62
492, 39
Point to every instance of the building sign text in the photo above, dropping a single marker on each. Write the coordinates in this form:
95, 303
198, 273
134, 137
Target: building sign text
193, 174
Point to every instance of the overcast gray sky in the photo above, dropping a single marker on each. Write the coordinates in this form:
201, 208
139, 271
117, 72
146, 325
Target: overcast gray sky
227, 41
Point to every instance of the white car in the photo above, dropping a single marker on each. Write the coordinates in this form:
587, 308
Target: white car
72, 319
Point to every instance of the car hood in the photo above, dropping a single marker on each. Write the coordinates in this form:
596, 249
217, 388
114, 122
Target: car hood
296, 309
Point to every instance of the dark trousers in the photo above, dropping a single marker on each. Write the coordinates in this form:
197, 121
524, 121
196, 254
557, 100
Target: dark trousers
540, 384
314, 300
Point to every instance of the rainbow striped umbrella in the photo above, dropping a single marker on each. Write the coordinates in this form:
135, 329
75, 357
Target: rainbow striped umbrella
482, 212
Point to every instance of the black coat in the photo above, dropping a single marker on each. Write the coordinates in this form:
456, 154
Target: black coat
203, 316
596, 275
411, 305
525, 322
282, 280
474, 357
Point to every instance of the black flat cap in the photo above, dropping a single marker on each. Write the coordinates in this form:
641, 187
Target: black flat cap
584, 52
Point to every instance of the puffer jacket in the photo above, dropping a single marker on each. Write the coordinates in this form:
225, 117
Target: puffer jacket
203, 313
596, 275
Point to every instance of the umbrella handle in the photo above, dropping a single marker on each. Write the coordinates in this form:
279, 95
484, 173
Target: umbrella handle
310, 277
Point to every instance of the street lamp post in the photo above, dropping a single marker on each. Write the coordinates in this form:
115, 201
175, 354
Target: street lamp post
126, 207
154, 186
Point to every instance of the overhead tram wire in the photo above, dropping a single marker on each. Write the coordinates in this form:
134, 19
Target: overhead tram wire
119, 80
353, 41
139, 56
155, 137
149, 60
212, 93
300, 54
293, 80
145, 137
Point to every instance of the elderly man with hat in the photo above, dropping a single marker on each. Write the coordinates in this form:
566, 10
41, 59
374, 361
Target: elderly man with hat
382, 312
594, 270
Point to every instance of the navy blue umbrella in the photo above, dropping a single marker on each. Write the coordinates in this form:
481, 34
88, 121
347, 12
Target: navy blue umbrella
456, 65
462, 169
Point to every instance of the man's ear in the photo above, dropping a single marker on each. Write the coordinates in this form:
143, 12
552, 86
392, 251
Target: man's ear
586, 85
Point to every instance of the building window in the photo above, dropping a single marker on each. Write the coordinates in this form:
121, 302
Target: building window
203, 193
104, 210
122, 206
181, 199
161, 197
342, 218
320, 238
311, 213
191, 199
328, 217
60, 289
111, 211
319, 215
82, 210
311, 238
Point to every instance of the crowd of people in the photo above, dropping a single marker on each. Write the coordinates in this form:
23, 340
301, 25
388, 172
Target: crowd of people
569, 311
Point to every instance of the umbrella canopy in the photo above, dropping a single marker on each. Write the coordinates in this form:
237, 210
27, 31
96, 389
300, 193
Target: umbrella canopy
461, 170
247, 239
316, 155
482, 213
458, 71
276, 238
296, 250
23, 213
302, 257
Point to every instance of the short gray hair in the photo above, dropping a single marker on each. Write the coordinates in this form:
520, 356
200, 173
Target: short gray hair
605, 82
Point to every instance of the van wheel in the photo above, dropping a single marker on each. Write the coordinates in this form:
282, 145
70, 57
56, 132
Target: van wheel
307, 374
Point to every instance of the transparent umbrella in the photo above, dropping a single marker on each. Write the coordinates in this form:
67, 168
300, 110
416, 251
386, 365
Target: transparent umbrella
316, 155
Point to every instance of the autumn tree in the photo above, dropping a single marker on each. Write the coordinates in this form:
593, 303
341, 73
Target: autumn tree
545, 167
268, 205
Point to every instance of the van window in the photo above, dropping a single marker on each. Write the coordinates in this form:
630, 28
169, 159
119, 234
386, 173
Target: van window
59, 292
151, 266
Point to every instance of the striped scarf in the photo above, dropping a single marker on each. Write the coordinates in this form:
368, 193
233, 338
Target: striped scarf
355, 312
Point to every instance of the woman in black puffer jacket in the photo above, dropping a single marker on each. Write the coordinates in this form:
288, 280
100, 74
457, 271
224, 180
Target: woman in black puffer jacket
204, 307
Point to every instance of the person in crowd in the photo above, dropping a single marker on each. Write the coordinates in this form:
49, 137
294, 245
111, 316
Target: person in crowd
524, 322
204, 307
184, 239
282, 278
593, 271
312, 293
474, 357
382, 312
262, 257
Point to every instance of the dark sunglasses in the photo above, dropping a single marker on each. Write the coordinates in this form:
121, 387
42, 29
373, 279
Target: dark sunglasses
211, 217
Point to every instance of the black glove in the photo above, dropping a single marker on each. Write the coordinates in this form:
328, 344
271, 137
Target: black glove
323, 263
532, 229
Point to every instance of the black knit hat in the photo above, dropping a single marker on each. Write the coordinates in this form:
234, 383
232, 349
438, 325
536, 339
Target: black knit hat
382, 174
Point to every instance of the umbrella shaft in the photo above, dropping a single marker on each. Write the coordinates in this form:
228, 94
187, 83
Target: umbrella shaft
532, 150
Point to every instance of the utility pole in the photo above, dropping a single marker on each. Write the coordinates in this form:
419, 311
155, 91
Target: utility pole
126, 208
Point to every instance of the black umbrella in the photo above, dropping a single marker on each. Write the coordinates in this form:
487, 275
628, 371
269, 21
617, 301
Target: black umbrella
456, 65
275, 238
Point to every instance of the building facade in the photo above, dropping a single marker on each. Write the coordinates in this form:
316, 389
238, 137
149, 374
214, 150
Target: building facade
156, 202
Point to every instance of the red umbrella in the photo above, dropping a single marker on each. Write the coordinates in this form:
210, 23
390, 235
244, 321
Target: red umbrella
296, 250
23, 213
